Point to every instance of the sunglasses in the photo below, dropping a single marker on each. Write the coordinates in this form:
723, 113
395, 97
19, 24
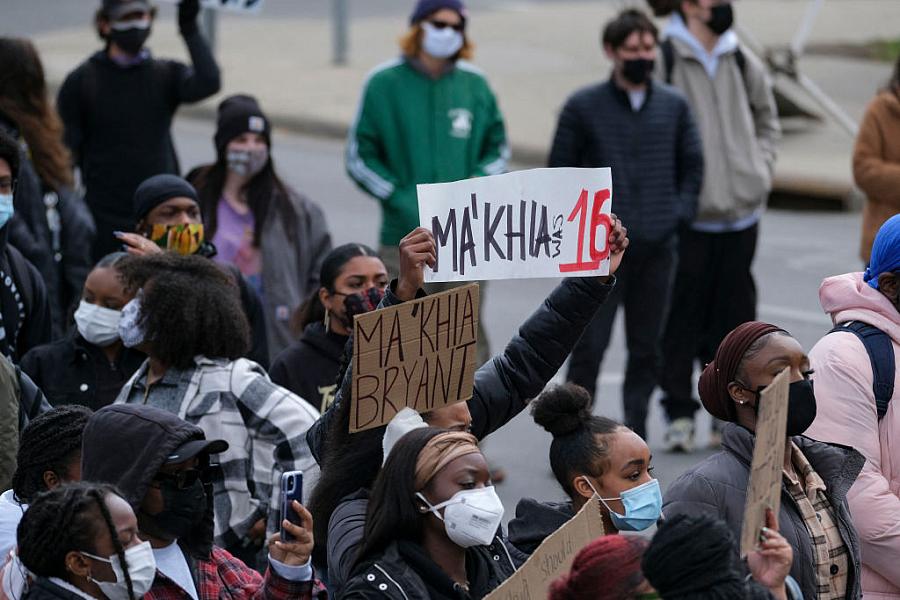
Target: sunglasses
183, 480
444, 24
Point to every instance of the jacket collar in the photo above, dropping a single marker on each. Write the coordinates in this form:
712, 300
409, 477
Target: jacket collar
837, 465
622, 95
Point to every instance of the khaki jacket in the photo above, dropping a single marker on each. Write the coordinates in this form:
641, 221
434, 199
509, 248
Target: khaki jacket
739, 126
876, 165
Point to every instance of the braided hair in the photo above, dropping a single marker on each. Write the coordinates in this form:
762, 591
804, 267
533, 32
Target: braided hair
68, 518
49, 443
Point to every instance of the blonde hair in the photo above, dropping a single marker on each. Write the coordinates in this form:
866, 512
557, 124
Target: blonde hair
411, 44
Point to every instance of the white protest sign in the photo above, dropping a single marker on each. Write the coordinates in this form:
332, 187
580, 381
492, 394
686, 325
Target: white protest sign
244, 6
537, 223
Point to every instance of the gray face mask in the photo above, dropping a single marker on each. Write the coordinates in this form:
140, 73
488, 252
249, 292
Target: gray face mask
130, 331
247, 163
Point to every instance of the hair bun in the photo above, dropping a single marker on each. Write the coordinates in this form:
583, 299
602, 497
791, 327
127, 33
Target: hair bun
662, 8
562, 409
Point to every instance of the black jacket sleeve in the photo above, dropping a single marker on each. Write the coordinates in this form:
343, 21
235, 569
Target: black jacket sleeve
203, 79
568, 142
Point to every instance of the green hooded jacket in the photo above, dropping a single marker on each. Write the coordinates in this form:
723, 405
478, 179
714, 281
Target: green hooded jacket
411, 128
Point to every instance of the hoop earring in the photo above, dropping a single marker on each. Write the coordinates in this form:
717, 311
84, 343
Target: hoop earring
327, 321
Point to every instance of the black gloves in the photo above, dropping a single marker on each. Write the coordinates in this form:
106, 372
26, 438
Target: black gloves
187, 16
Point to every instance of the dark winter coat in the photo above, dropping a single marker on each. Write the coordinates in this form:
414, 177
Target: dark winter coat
74, 371
718, 487
405, 572
44, 589
309, 367
24, 306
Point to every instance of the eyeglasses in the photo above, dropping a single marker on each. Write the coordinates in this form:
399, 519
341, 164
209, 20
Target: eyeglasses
187, 478
444, 24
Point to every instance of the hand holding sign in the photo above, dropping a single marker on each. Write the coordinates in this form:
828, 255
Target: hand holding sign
771, 564
618, 243
416, 250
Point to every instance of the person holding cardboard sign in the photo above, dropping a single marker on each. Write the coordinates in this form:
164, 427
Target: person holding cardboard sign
502, 389
590, 455
814, 515
432, 523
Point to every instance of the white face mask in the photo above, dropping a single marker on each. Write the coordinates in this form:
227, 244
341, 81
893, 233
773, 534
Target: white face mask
441, 43
97, 324
130, 331
471, 517
247, 163
141, 569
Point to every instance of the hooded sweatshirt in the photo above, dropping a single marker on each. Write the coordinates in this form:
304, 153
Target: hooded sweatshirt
847, 415
309, 367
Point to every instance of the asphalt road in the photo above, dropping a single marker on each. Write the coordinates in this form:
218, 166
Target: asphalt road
796, 251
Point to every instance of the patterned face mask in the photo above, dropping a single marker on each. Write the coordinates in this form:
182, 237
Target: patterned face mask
182, 239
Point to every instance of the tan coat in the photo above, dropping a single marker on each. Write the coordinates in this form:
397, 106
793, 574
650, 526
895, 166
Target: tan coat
876, 165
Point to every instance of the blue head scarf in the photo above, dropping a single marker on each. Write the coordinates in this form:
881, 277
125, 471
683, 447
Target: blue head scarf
885, 252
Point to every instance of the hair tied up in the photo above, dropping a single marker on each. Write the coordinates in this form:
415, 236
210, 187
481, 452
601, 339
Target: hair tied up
563, 409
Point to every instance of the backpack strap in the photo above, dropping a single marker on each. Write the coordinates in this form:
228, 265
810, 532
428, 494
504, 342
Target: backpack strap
880, 349
668, 53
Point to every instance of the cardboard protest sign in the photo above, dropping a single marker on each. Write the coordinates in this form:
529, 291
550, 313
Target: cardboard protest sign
419, 354
537, 223
244, 6
764, 489
553, 557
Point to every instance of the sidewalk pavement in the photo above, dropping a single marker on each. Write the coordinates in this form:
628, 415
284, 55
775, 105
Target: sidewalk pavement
534, 53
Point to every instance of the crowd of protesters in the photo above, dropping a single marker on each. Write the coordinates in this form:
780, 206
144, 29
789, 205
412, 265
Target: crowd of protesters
172, 346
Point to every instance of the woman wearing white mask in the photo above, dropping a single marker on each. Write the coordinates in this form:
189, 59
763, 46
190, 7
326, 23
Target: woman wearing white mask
89, 365
80, 541
274, 235
423, 539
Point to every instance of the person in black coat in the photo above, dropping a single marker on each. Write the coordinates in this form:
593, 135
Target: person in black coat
24, 307
353, 279
69, 535
90, 365
118, 105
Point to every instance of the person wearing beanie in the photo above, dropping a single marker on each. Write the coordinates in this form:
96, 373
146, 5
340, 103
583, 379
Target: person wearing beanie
276, 237
814, 516
858, 399
117, 108
696, 558
428, 116
167, 217
609, 568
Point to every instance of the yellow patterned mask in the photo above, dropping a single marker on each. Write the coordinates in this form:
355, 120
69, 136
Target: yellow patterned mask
183, 239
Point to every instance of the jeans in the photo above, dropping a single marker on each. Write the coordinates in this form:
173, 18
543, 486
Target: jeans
643, 287
714, 293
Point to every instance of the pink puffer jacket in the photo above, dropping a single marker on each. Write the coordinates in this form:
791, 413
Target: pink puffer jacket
846, 415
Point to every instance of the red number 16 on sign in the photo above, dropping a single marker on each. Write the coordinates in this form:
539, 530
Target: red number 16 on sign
599, 221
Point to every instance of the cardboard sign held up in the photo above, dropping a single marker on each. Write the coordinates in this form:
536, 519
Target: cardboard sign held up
553, 557
419, 354
537, 223
764, 489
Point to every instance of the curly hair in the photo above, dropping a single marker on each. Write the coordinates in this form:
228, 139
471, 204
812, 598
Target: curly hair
189, 307
24, 100
51, 442
69, 518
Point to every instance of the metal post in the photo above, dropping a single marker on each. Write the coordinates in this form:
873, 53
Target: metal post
208, 26
339, 32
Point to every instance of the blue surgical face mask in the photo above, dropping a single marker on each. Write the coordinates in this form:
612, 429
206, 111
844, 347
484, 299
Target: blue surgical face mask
643, 506
6, 208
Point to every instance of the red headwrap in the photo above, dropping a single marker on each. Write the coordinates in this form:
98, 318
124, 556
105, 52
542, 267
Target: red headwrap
714, 380
606, 569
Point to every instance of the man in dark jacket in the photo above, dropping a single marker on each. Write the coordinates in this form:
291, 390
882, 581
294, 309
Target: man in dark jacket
118, 105
161, 464
644, 131
502, 389
24, 307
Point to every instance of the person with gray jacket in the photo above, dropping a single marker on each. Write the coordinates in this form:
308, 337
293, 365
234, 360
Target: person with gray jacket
275, 236
814, 515
732, 101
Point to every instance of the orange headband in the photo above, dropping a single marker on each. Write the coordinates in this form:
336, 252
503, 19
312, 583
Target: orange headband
440, 451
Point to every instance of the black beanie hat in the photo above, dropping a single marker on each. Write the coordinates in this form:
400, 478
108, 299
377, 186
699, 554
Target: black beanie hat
239, 114
426, 8
159, 188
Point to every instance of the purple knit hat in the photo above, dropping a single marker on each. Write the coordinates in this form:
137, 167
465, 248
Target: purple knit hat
424, 8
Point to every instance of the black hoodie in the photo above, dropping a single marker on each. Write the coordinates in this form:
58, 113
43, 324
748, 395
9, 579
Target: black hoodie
126, 445
534, 522
309, 367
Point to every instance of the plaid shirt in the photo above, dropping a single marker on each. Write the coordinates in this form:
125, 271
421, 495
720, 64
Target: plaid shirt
225, 577
831, 556
265, 427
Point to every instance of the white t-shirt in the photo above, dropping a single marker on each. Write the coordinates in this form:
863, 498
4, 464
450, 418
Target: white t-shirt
170, 561
10, 514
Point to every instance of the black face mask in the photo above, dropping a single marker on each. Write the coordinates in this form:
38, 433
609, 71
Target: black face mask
801, 406
722, 18
637, 70
182, 509
130, 40
360, 303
